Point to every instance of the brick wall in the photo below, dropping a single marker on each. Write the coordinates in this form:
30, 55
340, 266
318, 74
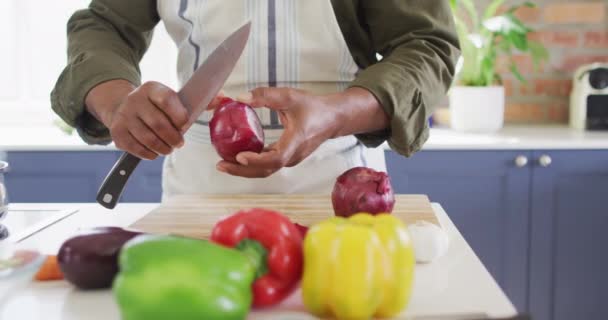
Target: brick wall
575, 33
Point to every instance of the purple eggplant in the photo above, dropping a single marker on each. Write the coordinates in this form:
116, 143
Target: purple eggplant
89, 260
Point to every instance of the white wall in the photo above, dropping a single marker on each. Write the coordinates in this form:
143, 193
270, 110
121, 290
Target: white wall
33, 53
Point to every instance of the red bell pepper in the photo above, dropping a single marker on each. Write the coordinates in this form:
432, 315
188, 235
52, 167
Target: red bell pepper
303, 229
279, 237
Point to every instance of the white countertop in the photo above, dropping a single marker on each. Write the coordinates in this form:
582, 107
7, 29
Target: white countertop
510, 138
456, 283
553, 137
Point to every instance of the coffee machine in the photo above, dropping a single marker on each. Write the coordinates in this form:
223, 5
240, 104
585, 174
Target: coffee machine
589, 98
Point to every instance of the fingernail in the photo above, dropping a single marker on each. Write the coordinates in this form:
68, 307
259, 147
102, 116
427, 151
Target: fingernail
220, 168
181, 144
245, 97
241, 159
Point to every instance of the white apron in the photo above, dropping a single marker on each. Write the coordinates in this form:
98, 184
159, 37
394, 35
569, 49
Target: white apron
293, 43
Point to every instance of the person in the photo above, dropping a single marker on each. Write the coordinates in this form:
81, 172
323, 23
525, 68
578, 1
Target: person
331, 80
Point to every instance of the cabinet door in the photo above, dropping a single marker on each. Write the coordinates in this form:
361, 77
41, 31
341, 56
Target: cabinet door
56, 176
569, 259
487, 197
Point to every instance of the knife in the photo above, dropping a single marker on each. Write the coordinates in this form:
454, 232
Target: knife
197, 93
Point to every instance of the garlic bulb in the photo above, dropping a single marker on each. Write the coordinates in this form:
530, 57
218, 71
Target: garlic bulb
429, 240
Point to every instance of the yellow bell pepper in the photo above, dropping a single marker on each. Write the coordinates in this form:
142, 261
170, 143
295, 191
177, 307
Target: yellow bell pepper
358, 267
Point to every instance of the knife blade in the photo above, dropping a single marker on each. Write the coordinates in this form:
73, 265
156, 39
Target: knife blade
195, 95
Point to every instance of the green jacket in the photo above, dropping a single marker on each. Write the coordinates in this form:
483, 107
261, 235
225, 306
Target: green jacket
417, 39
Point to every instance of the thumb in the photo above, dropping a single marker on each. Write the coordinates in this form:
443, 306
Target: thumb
272, 98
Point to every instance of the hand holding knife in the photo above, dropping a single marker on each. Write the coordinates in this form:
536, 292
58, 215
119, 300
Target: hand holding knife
196, 94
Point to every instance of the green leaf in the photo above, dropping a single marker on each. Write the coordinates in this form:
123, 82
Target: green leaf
453, 5
469, 56
461, 27
525, 4
529, 4
538, 50
503, 46
487, 68
519, 41
516, 73
487, 56
492, 8
472, 12
538, 53
514, 20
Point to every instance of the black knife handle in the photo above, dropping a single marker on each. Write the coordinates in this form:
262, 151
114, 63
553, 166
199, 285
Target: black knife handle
112, 187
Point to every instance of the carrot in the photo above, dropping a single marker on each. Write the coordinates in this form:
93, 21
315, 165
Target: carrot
49, 270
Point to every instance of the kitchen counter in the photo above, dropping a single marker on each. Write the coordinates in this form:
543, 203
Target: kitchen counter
456, 283
553, 137
510, 138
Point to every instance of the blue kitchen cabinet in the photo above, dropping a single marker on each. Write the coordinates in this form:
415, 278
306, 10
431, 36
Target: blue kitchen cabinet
541, 229
487, 196
144, 185
569, 235
56, 176
45, 176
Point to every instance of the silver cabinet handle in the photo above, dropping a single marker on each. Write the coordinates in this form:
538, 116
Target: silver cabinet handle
545, 160
521, 161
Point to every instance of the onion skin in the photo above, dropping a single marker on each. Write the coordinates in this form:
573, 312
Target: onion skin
362, 189
235, 128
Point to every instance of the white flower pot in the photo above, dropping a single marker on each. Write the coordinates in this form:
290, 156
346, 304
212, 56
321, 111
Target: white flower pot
477, 109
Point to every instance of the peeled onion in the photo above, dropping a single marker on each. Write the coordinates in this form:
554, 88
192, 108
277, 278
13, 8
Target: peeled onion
235, 128
362, 189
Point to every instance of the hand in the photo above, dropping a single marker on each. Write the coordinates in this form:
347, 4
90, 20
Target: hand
309, 120
144, 121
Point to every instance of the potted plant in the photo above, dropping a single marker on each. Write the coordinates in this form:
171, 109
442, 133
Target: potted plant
478, 98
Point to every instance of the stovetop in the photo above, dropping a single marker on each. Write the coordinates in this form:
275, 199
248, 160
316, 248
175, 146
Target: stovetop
20, 224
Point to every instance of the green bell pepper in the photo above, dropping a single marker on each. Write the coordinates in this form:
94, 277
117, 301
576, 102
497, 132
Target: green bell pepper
168, 277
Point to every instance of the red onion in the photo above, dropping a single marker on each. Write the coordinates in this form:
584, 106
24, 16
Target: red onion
235, 128
362, 189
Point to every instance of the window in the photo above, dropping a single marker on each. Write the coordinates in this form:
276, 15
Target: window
33, 53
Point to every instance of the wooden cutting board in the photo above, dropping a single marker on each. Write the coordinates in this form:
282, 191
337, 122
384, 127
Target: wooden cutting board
195, 215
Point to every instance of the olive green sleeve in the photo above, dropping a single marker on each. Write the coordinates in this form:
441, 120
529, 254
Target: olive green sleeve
419, 45
106, 41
